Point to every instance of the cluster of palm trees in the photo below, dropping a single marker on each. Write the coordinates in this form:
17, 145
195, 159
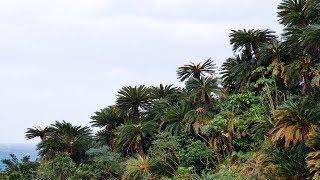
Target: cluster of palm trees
267, 102
62, 137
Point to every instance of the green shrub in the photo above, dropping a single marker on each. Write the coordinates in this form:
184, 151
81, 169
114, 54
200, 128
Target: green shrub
183, 173
62, 167
197, 155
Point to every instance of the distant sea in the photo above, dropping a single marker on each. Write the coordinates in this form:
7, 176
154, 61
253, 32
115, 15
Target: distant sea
19, 150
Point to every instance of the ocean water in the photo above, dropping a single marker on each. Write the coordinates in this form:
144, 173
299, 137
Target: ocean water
19, 150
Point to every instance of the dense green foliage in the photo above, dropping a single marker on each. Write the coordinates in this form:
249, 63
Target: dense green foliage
20, 169
258, 119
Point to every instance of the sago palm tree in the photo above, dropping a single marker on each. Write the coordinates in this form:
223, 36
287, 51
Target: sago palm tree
220, 131
292, 41
66, 138
195, 119
162, 91
196, 70
303, 49
310, 41
289, 163
302, 41
131, 100
250, 41
132, 137
108, 119
313, 11
236, 73
36, 132
202, 89
137, 168
298, 73
296, 120
173, 117
293, 13
313, 158
271, 54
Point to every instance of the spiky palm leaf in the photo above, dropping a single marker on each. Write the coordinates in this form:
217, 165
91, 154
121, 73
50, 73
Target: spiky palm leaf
162, 91
196, 70
310, 40
137, 168
174, 115
236, 73
290, 163
36, 132
157, 110
131, 100
271, 54
203, 88
293, 13
298, 73
296, 120
250, 40
194, 120
105, 137
131, 136
300, 41
292, 41
313, 162
108, 119
313, 11
313, 158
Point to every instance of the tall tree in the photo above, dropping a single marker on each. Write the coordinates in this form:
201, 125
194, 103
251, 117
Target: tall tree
107, 118
131, 100
131, 137
202, 89
196, 70
250, 40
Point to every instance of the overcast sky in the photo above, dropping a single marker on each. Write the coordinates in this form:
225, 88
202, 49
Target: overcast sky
66, 59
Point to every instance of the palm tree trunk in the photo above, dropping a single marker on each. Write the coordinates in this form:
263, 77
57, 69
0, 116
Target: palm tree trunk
306, 82
112, 141
276, 91
197, 74
207, 99
136, 112
248, 52
140, 148
255, 50
43, 138
271, 102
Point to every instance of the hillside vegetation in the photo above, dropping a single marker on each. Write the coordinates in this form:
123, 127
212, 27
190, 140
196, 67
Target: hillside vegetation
256, 117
